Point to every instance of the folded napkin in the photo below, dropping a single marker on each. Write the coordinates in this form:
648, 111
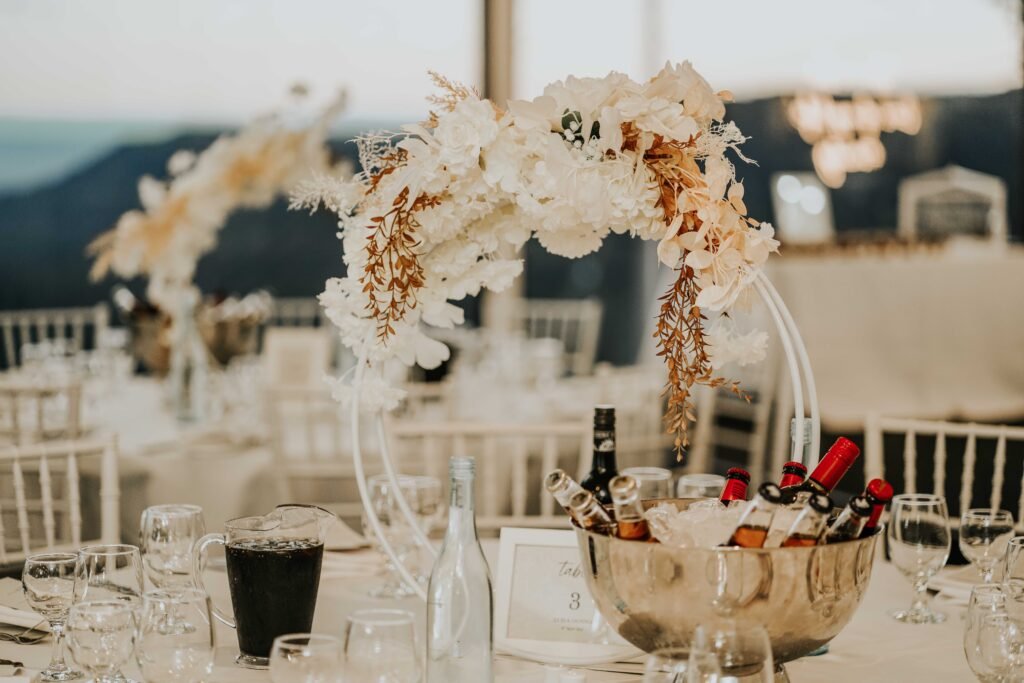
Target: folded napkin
23, 619
341, 537
351, 564
955, 583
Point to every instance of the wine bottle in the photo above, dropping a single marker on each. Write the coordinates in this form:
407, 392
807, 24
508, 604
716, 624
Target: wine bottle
879, 492
602, 467
562, 487
833, 466
629, 511
851, 521
460, 619
737, 480
752, 529
808, 525
590, 514
793, 474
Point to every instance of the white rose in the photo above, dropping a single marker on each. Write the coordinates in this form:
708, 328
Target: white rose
463, 132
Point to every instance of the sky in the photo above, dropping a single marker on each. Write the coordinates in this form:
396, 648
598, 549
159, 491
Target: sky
225, 60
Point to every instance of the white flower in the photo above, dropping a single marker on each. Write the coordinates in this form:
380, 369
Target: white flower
659, 116
462, 133
725, 345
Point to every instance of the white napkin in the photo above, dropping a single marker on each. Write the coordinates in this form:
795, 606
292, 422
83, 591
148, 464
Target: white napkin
341, 537
348, 565
955, 583
23, 619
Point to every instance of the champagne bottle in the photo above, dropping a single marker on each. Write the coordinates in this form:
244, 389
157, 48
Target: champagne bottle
460, 609
629, 511
808, 525
833, 466
879, 492
737, 480
851, 520
602, 468
752, 529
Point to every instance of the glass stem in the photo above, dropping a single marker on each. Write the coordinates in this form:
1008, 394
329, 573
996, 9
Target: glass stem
921, 597
986, 573
57, 657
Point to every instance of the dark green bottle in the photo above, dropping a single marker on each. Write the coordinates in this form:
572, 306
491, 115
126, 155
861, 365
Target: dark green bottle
602, 468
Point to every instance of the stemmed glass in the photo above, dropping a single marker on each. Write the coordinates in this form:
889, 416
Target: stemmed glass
380, 647
306, 658
669, 665
992, 639
919, 543
166, 535
398, 531
101, 636
729, 650
984, 536
183, 654
109, 572
49, 584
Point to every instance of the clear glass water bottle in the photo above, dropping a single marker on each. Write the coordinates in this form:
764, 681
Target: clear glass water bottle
460, 605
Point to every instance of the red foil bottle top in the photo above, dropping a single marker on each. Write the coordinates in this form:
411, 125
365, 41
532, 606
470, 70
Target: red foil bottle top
793, 474
736, 481
836, 463
876, 514
879, 491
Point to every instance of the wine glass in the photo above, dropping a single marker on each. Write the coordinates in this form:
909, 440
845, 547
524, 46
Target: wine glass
669, 665
49, 584
109, 572
306, 658
166, 535
396, 528
992, 645
700, 486
654, 482
101, 637
730, 649
184, 652
985, 534
919, 542
380, 647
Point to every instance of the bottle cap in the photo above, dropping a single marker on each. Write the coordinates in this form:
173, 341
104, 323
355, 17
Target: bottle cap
580, 500
836, 462
604, 416
555, 479
623, 489
770, 492
738, 473
819, 502
861, 505
880, 491
795, 467
461, 467
845, 450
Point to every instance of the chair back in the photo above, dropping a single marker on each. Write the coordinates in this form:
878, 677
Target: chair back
574, 322
73, 325
512, 460
297, 312
31, 412
984, 449
41, 496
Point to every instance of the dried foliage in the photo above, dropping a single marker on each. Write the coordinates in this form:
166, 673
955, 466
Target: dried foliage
452, 92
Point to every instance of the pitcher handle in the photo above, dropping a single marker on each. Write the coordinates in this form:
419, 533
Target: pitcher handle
198, 557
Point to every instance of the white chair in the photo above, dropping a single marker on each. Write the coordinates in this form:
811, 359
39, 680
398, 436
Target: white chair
312, 450
41, 496
297, 312
18, 328
876, 428
31, 412
950, 201
512, 460
574, 322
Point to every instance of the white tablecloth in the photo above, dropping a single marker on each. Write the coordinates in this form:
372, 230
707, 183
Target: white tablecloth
930, 335
873, 647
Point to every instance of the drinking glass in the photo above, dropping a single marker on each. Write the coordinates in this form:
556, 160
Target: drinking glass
109, 572
670, 665
700, 486
919, 542
175, 636
380, 647
428, 504
985, 534
306, 658
166, 535
731, 650
49, 584
395, 527
1013, 560
992, 645
101, 637
655, 482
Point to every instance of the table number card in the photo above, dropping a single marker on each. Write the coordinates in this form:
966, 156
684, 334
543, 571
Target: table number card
543, 604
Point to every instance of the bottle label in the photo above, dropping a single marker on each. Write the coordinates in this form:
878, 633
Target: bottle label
604, 441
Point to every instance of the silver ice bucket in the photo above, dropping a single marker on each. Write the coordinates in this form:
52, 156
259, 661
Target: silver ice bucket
654, 595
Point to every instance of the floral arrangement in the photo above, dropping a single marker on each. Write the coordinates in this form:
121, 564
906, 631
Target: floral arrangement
436, 211
180, 217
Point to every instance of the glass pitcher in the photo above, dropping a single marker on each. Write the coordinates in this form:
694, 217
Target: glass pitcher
273, 566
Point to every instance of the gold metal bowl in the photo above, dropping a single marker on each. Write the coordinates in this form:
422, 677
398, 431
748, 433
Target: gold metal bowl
654, 596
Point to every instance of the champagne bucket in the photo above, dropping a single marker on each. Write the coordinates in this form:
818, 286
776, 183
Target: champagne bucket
654, 595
